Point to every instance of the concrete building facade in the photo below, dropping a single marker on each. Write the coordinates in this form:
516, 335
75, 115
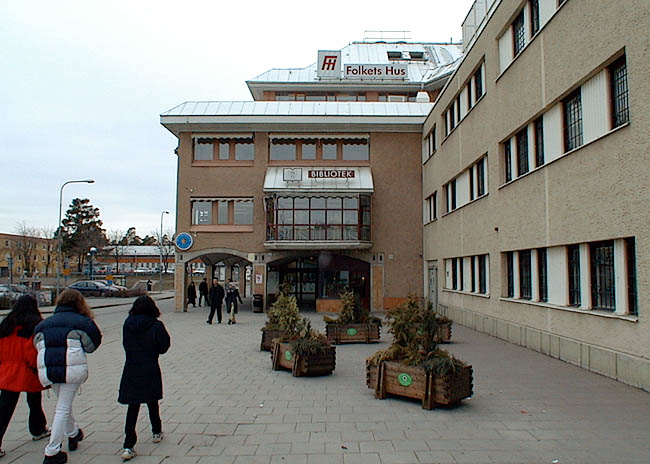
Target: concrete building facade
536, 226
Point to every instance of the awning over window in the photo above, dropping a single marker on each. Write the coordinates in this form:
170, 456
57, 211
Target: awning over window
212, 138
281, 136
318, 179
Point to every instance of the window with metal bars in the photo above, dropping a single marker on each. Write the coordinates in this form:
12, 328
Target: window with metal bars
510, 269
508, 160
482, 274
539, 141
522, 152
619, 93
518, 33
574, 274
603, 285
480, 177
630, 255
542, 273
525, 280
572, 121
534, 16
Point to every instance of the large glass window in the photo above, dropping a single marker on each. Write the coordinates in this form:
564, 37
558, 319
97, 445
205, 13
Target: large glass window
203, 151
282, 151
244, 151
224, 150
355, 151
202, 212
319, 218
222, 212
243, 212
309, 150
329, 150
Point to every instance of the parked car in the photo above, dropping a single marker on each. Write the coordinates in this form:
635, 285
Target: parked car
25, 290
6, 292
114, 286
91, 287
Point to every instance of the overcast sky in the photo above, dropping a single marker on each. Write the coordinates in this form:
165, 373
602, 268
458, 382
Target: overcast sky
82, 85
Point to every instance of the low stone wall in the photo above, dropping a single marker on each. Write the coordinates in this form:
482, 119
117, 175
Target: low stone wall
627, 369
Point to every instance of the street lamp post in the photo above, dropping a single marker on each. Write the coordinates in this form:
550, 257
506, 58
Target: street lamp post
91, 255
59, 231
161, 244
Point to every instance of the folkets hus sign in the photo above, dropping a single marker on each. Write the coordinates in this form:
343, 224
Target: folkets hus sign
375, 71
331, 174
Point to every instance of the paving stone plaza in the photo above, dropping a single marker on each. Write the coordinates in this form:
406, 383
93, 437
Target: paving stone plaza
223, 404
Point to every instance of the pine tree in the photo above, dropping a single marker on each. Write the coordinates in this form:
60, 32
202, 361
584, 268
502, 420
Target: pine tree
82, 229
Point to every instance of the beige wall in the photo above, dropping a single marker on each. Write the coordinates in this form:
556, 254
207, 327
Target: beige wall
396, 205
600, 191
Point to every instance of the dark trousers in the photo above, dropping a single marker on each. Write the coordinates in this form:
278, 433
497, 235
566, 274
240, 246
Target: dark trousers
217, 307
204, 297
132, 419
8, 402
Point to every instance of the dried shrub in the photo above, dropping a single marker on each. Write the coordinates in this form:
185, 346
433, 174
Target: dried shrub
352, 311
284, 313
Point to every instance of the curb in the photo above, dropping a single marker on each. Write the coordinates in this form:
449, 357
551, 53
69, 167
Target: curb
4, 312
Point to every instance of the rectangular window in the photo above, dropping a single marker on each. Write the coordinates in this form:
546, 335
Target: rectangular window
630, 255
539, 141
603, 286
470, 172
243, 212
472, 273
308, 150
572, 121
480, 177
201, 212
224, 150
431, 142
282, 151
357, 151
482, 274
445, 116
203, 150
434, 205
534, 16
244, 151
453, 194
522, 152
510, 270
619, 93
574, 274
452, 117
329, 151
222, 212
507, 154
478, 83
469, 95
518, 33
461, 274
525, 285
542, 273
454, 274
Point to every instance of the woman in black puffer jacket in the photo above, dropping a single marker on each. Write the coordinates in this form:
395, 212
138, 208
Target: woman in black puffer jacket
144, 339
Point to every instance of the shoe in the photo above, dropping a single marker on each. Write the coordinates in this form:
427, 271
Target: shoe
59, 458
157, 437
73, 442
2, 453
208, 322
127, 454
229, 322
46, 433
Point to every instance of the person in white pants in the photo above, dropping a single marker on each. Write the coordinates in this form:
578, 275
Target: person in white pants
65, 337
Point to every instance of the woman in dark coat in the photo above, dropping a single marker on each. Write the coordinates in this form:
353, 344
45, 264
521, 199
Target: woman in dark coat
144, 339
231, 301
191, 294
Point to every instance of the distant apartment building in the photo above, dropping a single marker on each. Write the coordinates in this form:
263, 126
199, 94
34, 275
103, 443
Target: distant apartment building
535, 182
29, 256
317, 182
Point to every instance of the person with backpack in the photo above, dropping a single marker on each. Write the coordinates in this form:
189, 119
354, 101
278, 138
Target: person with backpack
18, 367
144, 339
62, 342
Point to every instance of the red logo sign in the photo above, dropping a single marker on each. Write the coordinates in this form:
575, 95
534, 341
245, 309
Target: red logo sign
329, 63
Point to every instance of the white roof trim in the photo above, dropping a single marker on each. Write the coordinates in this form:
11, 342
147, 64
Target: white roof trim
361, 182
319, 136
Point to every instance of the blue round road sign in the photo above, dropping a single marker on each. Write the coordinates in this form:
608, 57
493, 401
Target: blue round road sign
184, 241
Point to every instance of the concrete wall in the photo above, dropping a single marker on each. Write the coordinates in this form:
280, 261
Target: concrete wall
596, 192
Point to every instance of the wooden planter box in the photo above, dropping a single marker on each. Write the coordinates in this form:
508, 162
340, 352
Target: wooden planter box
352, 333
312, 365
267, 338
443, 334
414, 382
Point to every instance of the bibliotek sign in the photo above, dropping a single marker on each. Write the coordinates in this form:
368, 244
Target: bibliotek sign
331, 174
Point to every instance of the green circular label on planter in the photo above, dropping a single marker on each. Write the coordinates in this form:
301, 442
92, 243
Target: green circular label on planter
352, 331
420, 332
405, 380
287, 355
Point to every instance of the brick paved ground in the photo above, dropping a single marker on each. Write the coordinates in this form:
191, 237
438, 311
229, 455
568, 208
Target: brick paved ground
224, 404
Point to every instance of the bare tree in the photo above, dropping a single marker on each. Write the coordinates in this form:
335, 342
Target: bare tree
165, 246
118, 243
48, 233
24, 246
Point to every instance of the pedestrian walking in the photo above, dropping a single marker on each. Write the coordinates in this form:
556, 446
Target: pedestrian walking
216, 300
231, 301
144, 338
18, 367
191, 294
203, 291
62, 341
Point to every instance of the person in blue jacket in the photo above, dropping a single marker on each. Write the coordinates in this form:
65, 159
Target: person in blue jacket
144, 339
62, 341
